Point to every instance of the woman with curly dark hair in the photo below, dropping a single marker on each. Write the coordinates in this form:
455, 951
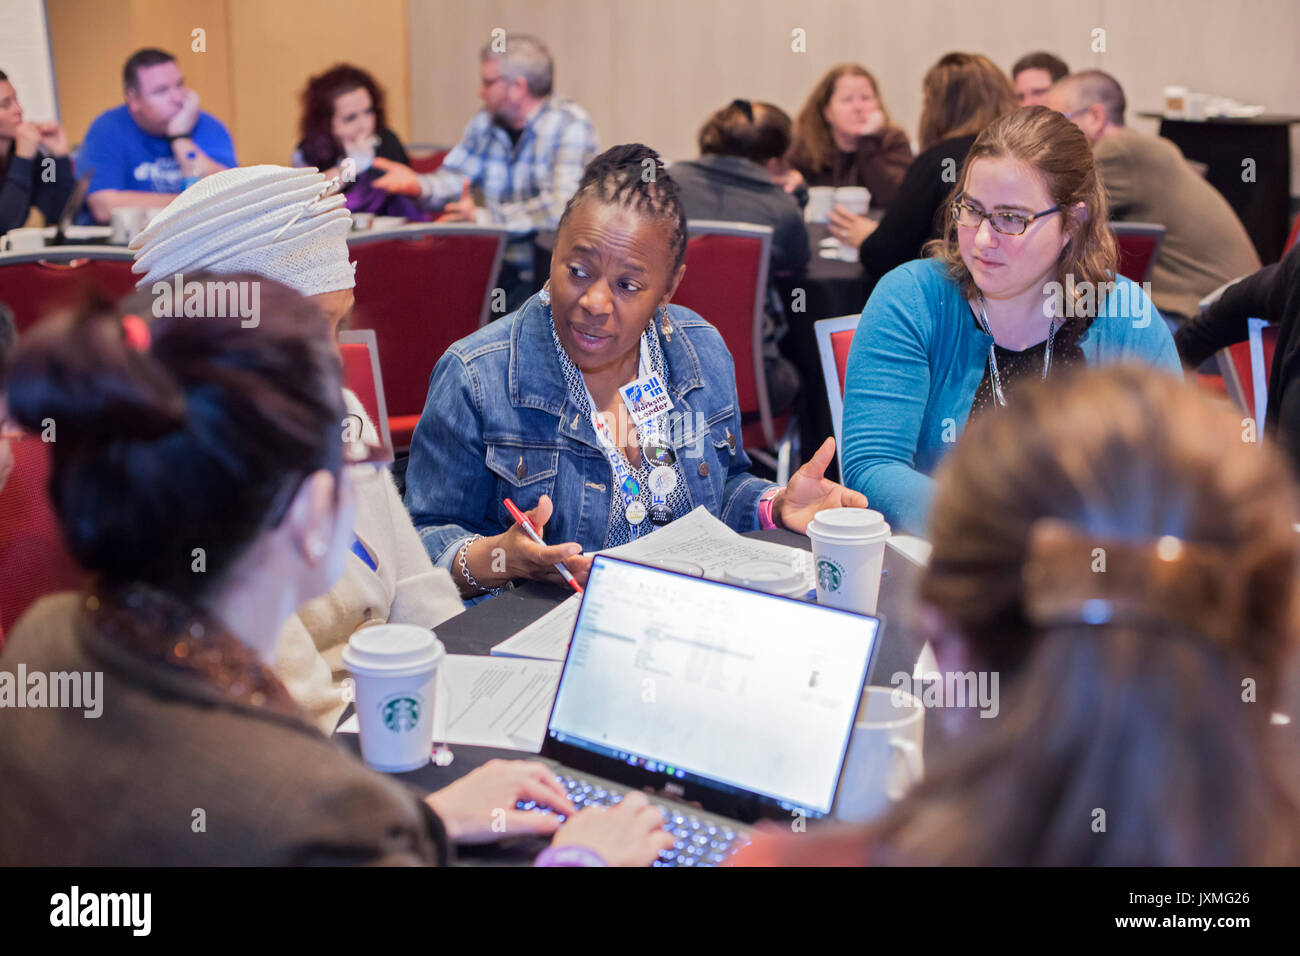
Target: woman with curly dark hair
343, 128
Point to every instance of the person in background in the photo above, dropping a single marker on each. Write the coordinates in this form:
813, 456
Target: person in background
1021, 285
962, 94
524, 150
533, 407
844, 137
1120, 691
145, 152
205, 433
1271, 294
1148, 180
25, 179
343, 128
8, 339
1033, 76
387, 577
742, 152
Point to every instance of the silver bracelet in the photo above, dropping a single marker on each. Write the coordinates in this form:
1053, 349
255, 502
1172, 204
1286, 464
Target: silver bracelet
464, 568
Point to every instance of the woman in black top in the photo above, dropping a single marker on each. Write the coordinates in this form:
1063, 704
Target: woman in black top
25, 180
963, 93
343, 129
1272, 294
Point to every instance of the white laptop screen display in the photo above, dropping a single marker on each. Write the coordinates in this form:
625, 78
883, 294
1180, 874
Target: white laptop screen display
754, 691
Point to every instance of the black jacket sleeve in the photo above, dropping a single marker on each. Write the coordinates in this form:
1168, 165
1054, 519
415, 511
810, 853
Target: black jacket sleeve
16, 194
1259, 296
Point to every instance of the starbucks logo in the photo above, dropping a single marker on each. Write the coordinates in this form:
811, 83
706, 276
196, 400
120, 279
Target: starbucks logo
828, 575
401, 714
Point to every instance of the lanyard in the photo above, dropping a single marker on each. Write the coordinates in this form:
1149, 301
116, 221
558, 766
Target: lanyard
651, 431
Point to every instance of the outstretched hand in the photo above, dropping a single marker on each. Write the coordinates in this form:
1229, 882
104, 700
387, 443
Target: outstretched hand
809, 491
398, 178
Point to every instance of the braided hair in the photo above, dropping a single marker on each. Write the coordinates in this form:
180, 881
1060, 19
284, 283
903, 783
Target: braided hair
635, 177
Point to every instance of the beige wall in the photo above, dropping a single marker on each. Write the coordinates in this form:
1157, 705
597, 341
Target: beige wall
258, 56
652, 71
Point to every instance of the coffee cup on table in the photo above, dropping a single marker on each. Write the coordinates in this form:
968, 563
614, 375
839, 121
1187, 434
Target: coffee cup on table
848, 546
820, 200
1175, 102
22, 240
884, 756
854, 199
395, 671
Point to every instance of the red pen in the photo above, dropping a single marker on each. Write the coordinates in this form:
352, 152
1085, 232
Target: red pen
529, 529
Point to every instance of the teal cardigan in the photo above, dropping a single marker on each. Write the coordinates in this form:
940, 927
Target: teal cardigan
916, 361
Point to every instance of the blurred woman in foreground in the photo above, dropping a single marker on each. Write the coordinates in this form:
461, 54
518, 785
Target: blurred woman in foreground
1113, 548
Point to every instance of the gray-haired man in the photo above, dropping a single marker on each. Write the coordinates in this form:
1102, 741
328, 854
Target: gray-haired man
525, 150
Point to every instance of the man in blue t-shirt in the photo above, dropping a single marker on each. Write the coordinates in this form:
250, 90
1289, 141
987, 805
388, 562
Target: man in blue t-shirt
143, 152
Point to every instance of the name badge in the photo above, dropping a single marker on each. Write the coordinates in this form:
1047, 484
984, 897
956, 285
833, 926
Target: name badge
646, 399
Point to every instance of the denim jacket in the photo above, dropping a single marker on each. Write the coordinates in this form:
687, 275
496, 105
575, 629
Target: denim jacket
498, 423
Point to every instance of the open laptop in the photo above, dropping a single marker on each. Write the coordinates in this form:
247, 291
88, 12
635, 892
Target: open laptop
737, 700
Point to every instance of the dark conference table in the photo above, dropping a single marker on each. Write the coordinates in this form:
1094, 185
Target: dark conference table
477, 629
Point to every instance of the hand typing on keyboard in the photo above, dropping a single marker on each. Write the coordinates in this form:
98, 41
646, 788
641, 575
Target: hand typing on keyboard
486, 804
625, 829
684, 838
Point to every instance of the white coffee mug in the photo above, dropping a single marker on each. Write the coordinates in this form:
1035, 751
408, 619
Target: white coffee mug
884, 757
23, 240
820, 200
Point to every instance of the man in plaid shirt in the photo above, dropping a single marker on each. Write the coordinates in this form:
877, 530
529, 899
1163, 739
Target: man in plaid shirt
525, 150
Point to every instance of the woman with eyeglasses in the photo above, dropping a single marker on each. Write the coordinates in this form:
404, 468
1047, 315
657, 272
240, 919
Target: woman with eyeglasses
1022, 283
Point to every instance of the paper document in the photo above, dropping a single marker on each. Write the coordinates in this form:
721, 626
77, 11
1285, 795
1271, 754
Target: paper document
547, 638
702, 540
490, 702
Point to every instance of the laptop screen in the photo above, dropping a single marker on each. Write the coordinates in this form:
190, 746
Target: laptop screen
713, 684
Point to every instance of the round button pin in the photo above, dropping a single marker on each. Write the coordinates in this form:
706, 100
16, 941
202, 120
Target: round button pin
660, 454
663, 480
661, 514
635, 513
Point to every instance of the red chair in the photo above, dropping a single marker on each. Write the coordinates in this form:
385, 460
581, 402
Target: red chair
36, 283
1139, 244
726, 283
834, 338
33, 558
1246, 366
421, 288
429, 162
362, 377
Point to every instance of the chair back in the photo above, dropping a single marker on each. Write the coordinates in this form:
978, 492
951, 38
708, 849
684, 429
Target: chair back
1139, 244
1246, 366
34, 284
726, 283
362, 377
421, 288
34, 561
834, 338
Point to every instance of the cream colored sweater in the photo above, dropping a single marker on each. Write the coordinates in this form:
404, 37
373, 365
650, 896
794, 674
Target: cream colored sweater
406, 589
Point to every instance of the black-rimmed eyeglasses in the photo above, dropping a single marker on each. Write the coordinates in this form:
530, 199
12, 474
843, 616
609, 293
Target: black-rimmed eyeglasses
1007, 223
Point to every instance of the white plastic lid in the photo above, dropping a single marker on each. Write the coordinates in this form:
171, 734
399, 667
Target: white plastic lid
392, 650
775, 577
850, 524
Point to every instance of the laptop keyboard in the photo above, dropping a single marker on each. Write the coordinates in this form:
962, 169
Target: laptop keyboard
699, 840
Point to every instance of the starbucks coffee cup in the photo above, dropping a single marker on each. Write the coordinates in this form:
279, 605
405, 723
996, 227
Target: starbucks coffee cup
848, 555
395, 670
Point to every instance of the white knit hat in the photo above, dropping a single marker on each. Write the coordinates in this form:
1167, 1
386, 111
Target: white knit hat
273, 221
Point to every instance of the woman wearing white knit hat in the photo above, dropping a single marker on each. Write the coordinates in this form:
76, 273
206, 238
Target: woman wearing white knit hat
284, 224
